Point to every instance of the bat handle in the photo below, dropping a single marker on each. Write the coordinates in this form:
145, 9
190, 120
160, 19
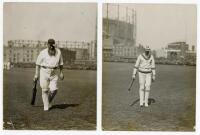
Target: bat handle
35, 82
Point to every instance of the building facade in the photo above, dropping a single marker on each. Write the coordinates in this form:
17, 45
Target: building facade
27, 51
125, 51
161, 53
21, 54
177, 50
177, 53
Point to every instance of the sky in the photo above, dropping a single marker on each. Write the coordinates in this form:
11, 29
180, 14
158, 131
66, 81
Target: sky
41, 21
157, 24
160, 24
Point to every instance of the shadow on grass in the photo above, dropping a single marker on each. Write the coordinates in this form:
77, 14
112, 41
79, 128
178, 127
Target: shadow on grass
59, 106
150, 101
63, 106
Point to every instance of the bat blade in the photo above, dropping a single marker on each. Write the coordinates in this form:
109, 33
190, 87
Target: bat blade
34, 92
130, 85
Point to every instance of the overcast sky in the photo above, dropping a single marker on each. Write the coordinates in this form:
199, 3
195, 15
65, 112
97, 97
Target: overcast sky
160, 24
61, 21
157, 25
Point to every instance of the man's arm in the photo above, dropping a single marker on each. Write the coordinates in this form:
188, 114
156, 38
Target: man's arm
61, 67
136, 67
37, 67
37, 70
153, 69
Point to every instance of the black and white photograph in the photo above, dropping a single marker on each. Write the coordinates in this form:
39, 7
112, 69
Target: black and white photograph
49, 66
99, 67
149, 67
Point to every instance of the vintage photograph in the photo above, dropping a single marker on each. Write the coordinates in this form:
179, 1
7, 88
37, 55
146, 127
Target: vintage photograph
50, 64
149, 67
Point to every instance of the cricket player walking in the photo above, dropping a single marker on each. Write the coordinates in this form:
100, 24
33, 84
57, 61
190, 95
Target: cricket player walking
49, 66
145, 65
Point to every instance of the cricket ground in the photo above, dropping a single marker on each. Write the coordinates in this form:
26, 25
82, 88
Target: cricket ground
74, 105
172, 99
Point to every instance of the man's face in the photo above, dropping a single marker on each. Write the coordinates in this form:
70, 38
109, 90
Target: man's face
51, 47
51, 50
147, 52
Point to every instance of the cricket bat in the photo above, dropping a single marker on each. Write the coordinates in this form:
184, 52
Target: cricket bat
34, 92
130, 85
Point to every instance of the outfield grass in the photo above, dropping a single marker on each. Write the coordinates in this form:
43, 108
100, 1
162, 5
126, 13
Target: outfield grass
173, 92
75, 102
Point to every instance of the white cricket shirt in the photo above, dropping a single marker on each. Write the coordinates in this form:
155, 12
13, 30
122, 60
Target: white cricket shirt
44, 59
145, 64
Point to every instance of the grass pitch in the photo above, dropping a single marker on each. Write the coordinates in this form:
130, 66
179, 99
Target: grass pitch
173, 95
74, 104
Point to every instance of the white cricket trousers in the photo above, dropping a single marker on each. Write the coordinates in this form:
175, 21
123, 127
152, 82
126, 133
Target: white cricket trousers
145, 84
48, 81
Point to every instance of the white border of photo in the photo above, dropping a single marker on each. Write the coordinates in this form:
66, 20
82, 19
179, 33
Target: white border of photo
99, 75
